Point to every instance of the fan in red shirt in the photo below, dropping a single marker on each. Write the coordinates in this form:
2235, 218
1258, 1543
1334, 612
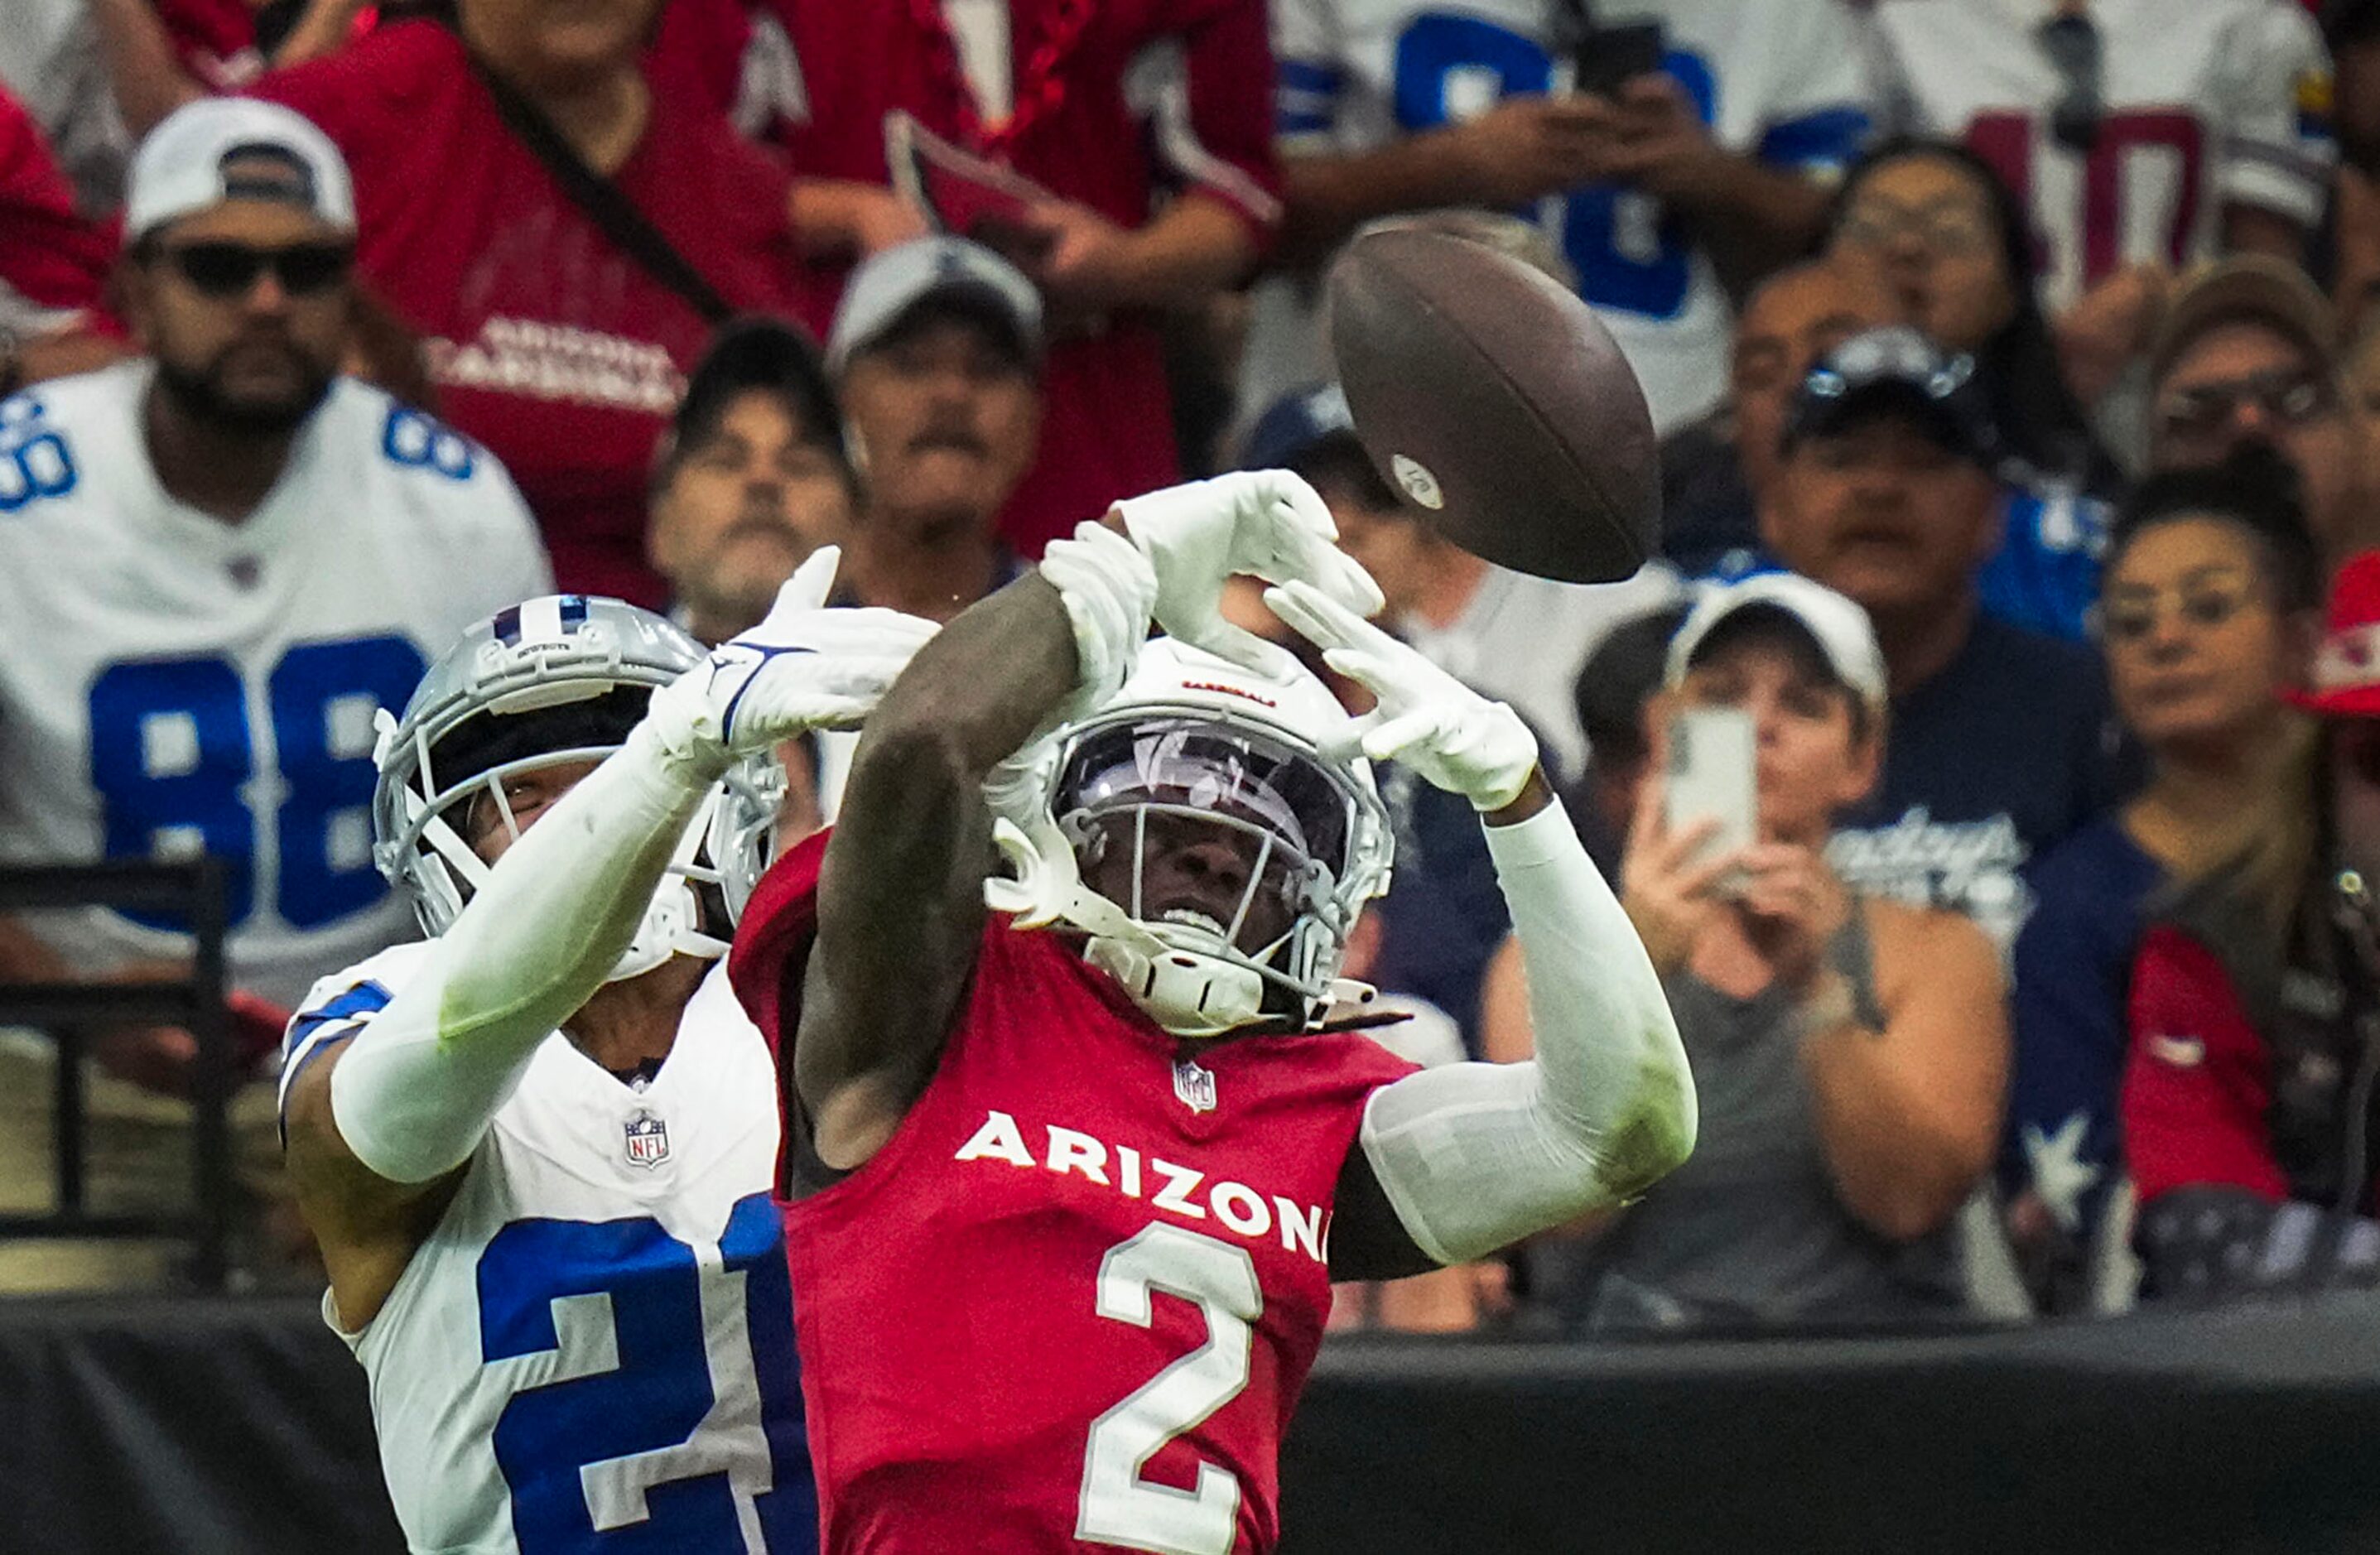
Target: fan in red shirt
52, 263
548, 341
1067, 1181
1108, 105
2248, 1094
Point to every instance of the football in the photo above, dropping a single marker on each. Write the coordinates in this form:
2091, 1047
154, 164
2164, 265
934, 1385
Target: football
1496, 405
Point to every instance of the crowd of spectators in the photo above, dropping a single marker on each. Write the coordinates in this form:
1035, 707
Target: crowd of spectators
2019, 386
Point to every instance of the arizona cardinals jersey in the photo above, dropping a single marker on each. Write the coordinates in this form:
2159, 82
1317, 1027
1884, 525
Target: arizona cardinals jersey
594, 1347
1780, 81
2201, 106
1070, 1304
177, 684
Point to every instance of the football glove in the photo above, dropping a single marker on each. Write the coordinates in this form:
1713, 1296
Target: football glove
1432, 723
805, 666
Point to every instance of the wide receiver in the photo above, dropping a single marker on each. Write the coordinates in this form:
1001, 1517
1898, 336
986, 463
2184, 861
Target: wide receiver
537, 1150
1067, 1183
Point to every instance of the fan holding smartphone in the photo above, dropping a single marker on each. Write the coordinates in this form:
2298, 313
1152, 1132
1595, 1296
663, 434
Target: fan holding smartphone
1849, 1051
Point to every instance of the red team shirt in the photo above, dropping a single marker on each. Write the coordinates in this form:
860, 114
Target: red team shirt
1079, 1279
1087, 79
548, 344
52, 262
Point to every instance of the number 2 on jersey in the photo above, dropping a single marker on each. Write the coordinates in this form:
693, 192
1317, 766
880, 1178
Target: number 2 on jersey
1117, 1505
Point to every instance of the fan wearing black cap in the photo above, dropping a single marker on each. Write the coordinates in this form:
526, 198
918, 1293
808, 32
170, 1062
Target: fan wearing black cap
2001, 739
749, 479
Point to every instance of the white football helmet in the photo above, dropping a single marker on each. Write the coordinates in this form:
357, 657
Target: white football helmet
1202, 746
560, 678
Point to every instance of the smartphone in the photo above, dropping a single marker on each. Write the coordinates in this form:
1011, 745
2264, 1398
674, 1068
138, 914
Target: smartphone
1711, 774
1608, 55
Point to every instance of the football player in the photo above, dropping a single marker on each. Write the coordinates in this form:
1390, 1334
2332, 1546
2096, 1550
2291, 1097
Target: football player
536, 1149
1067, 1183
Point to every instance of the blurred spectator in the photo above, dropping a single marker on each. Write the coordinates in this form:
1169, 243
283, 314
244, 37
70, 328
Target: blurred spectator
2213, 590
53, 262
1613, 690
2139, 135
2250, 354
1671, 189
559, 312
218, 560
2001, 738
1715, 473
937, 352
749, 479
2352, 29
1149, 127
1950, 245
1849, 1051
2247, 1093
1507, 634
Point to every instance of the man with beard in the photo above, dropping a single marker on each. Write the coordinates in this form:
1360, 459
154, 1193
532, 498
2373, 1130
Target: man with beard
216, 561
937, 352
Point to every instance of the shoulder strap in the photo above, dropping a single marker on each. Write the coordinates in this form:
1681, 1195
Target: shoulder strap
598, 196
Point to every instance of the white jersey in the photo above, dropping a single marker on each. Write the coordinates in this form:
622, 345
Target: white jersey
2205, 104
1780, 81
175, 684
598, 1334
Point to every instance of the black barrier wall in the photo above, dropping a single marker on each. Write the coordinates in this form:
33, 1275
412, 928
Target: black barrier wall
137, 1426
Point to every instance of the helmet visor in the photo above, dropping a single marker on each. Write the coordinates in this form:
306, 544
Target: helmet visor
1200, 766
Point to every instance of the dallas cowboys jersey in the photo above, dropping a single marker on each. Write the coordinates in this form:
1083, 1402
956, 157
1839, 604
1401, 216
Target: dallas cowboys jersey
598, 1335
1780, 81
176, 684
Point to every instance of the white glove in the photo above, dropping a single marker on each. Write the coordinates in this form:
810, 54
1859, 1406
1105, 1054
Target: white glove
1266, 522
1428, 719
803, 667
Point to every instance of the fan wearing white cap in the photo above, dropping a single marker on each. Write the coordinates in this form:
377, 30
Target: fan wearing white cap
1849, 1051
1135, 1073
216, 559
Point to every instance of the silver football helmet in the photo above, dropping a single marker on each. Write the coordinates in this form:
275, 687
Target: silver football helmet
1250, 767
557, 679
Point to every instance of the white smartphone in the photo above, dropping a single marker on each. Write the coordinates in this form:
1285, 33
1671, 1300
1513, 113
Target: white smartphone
1711, 774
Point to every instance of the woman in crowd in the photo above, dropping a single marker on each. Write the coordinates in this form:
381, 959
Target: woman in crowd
1952, 246
1848, 1051
2247, 1100
2207, 610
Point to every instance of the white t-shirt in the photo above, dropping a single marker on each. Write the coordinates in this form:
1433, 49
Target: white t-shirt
1780, 81
601, 1315
176, 684
1524, 639
2207, 104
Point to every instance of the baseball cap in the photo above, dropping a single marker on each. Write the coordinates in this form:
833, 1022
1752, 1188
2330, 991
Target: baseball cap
2251, 288
234, 148
1894, 368
952, 272
2346, 679
755, 352
1293, 423
1836, 626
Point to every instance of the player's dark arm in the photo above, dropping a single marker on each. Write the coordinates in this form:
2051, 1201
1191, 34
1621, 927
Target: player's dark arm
901, 888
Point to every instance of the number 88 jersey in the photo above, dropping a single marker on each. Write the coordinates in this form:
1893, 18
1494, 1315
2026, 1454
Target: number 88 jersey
176, 682
1070, 1304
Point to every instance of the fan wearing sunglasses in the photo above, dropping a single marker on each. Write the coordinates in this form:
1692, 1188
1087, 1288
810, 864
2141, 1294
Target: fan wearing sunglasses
2249, 355
218, 556
2247, 1101
2210, 602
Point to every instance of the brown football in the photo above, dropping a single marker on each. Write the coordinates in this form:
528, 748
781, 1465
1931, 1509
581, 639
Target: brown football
1496, 405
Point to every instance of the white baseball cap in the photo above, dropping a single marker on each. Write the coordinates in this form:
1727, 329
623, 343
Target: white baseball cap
1837, 627
185, 164
882, 292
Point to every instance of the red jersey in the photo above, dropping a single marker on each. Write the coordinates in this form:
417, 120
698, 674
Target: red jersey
548, 343
2198, 1084
52, 262
1114, 101
1072, 1303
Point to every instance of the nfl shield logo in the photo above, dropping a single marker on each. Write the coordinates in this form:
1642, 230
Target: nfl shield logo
647, 1140
1194, 1086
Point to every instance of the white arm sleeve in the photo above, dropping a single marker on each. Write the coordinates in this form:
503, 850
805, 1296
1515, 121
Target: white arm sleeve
1474, 1157
413, 1094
